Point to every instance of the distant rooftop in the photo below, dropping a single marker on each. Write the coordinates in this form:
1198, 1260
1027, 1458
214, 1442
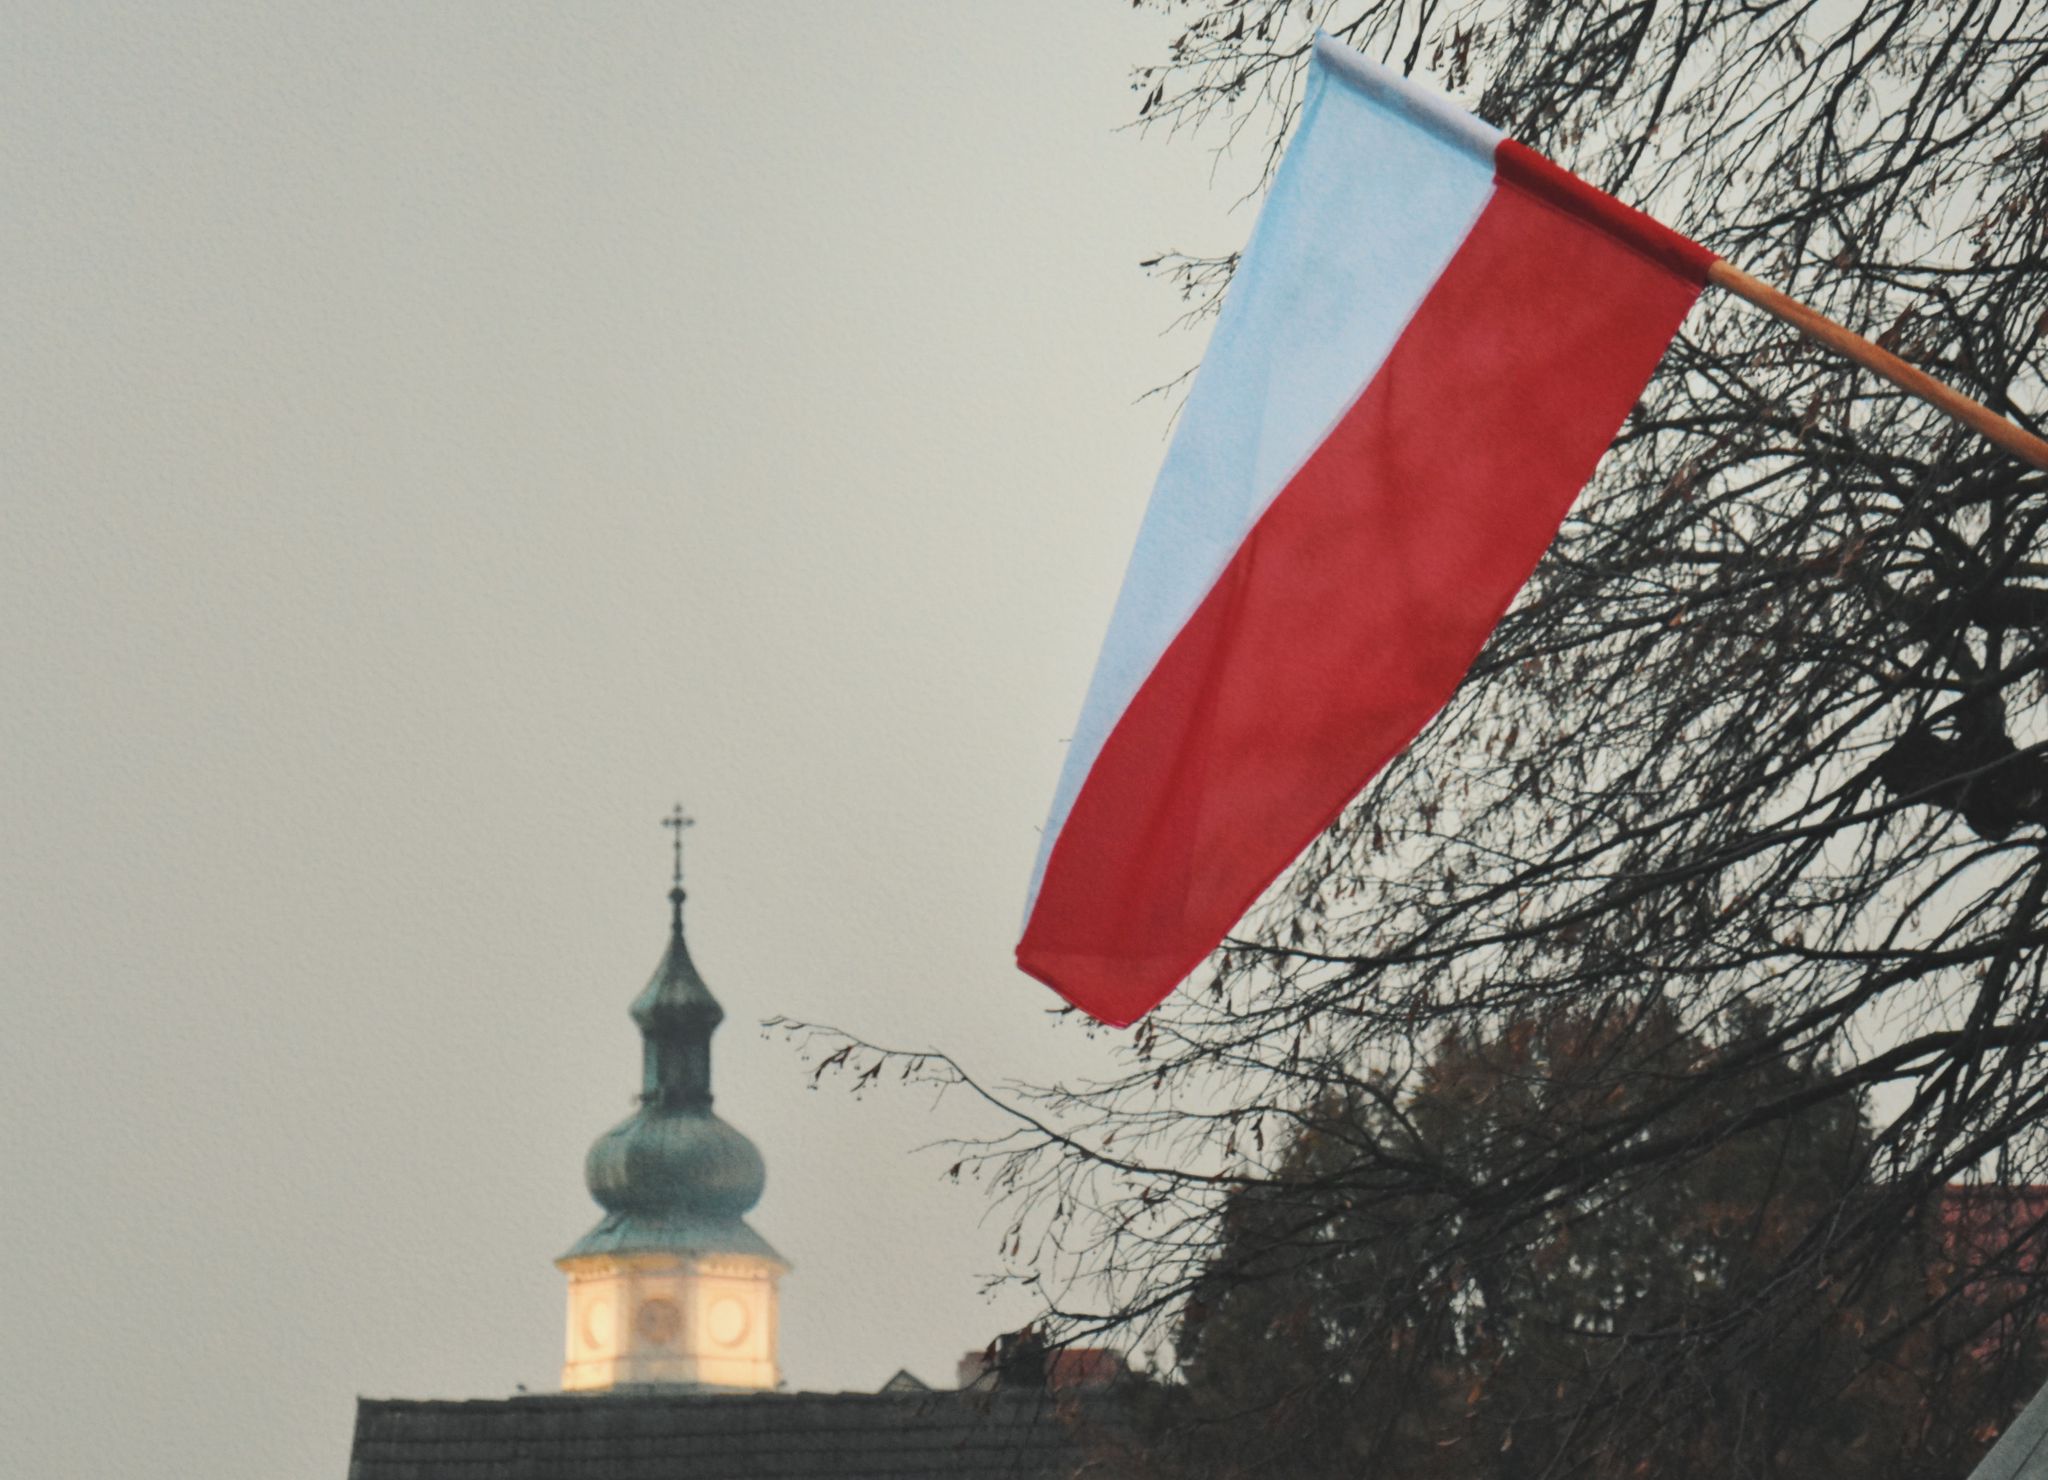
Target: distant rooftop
734, 1436
1065, 1369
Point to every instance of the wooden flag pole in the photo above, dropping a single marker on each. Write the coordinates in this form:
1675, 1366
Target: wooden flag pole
2021, 443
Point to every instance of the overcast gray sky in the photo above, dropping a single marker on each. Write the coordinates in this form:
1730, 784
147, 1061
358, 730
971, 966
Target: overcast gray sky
434, 439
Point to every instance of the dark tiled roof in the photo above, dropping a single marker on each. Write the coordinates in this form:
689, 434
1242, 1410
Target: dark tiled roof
752, 1436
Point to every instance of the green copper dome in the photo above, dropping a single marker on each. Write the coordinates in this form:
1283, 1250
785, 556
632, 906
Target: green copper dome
672, 1177
681, 1163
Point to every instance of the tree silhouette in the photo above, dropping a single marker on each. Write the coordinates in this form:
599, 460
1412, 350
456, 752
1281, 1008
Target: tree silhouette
1762, 743
1350, 1321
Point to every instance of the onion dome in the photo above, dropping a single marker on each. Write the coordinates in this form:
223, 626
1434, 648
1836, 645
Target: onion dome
672, 1176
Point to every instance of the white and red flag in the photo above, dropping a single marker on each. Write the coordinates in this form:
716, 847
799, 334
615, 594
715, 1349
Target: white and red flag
1431, 339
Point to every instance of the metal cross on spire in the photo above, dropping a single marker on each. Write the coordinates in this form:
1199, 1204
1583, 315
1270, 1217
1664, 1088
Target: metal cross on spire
675, 822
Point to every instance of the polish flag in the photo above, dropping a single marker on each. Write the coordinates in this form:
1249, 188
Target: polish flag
1430, 340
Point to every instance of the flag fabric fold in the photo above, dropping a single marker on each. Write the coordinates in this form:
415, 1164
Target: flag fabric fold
1429, 342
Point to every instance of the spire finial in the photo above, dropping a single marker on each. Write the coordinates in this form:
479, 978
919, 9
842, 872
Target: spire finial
675, 822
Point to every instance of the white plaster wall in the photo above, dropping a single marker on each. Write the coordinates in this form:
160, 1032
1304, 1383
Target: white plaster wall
718, 1328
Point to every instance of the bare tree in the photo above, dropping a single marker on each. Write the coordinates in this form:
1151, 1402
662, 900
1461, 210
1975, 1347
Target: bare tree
1765, 730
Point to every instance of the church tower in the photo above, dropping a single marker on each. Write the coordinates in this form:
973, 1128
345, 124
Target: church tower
672, 1289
